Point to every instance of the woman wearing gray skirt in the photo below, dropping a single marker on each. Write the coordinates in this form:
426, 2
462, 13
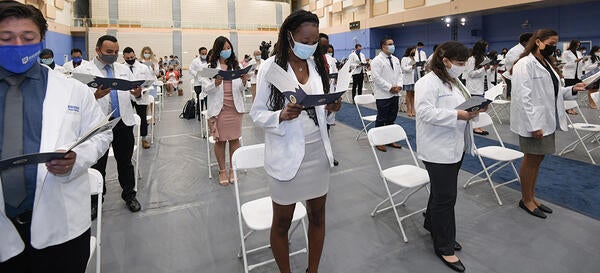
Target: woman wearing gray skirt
297, 149
537, 110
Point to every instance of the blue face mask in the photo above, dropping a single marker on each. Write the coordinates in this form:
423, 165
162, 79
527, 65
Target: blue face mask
19, 58
48, 61
303, 51
391, 49
225, 54
77, 60
358, 51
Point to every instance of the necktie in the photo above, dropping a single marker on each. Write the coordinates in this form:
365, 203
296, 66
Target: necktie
13, 179
391, 64
131, 68
485, 82
114, 96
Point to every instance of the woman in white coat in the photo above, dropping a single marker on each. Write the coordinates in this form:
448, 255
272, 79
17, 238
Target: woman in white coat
537, 111
297, 149
572, 69
443, 136
409, 74
475, 75
592, 64
225, 105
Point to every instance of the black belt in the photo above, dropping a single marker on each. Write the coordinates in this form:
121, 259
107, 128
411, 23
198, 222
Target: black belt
22, 219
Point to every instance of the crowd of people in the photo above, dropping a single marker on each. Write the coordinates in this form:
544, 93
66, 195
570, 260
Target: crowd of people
298, 154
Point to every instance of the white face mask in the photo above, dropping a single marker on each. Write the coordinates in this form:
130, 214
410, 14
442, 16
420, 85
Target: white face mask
147, 55
330, 54
203, 57
455, 70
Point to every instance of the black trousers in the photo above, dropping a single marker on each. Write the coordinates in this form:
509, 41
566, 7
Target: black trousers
357, 84
142, 111
387, 111
508, 87
68, 257
439, 217
203, 103
122, 145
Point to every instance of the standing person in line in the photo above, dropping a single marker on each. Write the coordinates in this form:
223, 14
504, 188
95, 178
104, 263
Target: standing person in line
256, 61
44, 208
76, 60
226, 105
537, 110
149, 59
573, 67
119, 103
421, 58
511, 56
298, 153
197, 64
140, 72
358, 62
47, 58
387, 81
331, 68
476, 75
592, 64
443, 137
409, 76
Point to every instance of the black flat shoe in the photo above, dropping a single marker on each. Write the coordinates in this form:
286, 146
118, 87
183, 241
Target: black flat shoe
544, 208
483, 133
456, 266
536, 212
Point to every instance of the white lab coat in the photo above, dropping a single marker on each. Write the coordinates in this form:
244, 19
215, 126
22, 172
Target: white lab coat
68, 66
408, 72
121, 71
511, 57
420, 56
355, 62
284, 141
61, 209
533, 106
384, 77
571, 67
143, 72
195, 67
474, 77
441, 137
215, 95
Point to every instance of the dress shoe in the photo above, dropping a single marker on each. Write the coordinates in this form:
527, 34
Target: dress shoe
544, 208
381, 148
482, 132
456, 266
395, 145
133, 205
94, 212
146, 144
536, 212
335, 162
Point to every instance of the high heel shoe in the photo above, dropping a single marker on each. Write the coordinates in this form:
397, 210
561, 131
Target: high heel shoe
223, 179
231, 177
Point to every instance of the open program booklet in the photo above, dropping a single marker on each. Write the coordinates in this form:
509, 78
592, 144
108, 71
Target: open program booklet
591, 78
37, 158
113, 83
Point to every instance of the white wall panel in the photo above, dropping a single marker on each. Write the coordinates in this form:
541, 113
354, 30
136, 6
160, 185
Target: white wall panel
255, 12
204, 14
160, 42
146, 12
99, 9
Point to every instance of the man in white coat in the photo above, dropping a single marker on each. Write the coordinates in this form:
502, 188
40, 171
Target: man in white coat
76, 60
511, 57
387, 79
197, 64
358, 62
44, 220
119, 103
140, 72
421, 59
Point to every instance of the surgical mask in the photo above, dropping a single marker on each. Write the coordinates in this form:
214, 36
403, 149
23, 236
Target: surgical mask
77, 59
225, 54
391, 49
130, 62
147, 55
108, 59
358, 51
203, 57
19, 58
548, 50
47, 61
303, 51
330, 54
257, 57
455, 70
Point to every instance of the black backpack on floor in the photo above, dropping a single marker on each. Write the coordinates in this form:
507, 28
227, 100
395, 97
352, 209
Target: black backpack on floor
189, 110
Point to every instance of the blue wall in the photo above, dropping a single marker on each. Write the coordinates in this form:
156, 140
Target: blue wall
61, 45
577, 21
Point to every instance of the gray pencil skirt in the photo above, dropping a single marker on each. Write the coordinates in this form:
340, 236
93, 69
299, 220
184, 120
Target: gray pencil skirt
544, 146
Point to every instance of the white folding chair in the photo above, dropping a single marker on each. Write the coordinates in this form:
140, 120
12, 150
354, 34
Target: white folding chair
257, 214
150, 118
407, 176
584, 131
364, 100
159, 98
96, 188
498, 105
500, 154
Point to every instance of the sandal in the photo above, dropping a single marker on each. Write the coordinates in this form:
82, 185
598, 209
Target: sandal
572, 112
481, 132
223, 179
231, 177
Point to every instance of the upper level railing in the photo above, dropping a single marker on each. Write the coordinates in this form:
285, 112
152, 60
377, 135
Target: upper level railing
95, 22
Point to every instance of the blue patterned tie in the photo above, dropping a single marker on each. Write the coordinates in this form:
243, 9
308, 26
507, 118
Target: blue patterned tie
114, 96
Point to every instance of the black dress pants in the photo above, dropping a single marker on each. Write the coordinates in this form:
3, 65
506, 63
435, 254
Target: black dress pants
439, 217
387, 111
142, 111
122, 145
508, 87
357, 84
68, 257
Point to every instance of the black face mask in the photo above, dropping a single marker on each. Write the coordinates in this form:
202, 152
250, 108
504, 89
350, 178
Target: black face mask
130, 62
548, 50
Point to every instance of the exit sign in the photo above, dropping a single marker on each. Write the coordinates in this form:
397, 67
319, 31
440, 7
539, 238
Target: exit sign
354, 25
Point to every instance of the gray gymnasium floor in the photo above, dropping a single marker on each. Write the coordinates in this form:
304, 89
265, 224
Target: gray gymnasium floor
188, 222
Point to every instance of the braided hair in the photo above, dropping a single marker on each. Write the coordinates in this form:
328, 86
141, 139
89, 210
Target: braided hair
282, 49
